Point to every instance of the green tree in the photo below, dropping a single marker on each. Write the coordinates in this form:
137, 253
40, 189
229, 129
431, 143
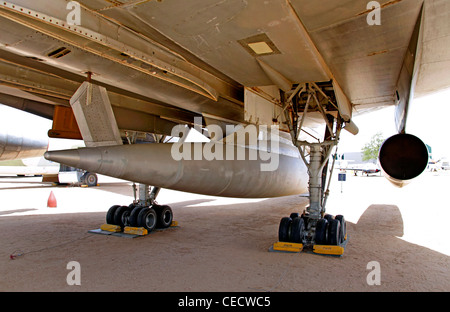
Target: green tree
371, 149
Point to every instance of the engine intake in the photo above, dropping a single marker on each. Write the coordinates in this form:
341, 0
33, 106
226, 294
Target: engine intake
403, 157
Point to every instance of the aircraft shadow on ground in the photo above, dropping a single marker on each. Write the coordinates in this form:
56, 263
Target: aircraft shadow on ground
7, 212
386, 219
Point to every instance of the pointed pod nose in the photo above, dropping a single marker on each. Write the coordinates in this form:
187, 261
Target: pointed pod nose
66, 157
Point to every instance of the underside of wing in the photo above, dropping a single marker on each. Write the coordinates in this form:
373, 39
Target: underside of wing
110, 71
173, 61
232, 37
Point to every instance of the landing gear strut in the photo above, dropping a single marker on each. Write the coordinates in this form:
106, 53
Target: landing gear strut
143, 212
313, 226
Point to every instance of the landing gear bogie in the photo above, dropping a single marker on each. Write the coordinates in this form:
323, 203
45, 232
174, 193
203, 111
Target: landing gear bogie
148, 217
143, 213
328, 230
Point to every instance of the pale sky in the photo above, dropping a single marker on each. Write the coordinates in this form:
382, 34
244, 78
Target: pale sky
429, 119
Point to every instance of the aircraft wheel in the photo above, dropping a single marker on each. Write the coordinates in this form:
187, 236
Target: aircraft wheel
284, 231
343, 230
133, 218
297, 230
121, 216
110, 214
321, 232
147, 218
164, 216
90, 179
294, 215
334, 228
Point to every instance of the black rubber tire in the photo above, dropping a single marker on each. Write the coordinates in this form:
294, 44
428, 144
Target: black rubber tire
133, 218
294, 215
147, 218
121, 216
321, 232
164, 216
334, 228
110, 214
297, 230
343, 230
284, 231
328, 217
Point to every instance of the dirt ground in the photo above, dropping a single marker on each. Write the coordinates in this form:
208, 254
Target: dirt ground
223, 244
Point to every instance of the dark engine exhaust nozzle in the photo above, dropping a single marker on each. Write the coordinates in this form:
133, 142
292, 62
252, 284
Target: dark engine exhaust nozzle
403, 157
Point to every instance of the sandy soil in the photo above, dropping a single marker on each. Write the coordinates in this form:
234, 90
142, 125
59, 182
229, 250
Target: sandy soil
222, 244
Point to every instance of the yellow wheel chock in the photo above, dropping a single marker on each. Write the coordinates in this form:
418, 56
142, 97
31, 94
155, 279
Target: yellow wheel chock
140, 231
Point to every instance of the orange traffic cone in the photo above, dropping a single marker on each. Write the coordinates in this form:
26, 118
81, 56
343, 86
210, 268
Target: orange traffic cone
51, 202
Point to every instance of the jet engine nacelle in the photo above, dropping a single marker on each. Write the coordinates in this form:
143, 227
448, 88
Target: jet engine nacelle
22, 135
403, 157
18, 146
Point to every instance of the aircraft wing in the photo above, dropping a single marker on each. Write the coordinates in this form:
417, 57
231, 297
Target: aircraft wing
164, 62
303, 40
105, 70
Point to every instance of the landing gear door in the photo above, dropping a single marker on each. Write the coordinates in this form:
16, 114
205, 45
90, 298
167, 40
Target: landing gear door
263, 107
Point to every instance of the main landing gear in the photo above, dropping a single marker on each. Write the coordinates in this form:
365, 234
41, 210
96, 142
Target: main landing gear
313, 228
142, 213
329, 230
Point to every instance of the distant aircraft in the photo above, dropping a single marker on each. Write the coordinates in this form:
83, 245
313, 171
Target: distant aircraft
365, 169
105, 70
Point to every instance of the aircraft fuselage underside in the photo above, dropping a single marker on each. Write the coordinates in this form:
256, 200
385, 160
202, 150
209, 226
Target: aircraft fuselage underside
151, 66
156, 164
